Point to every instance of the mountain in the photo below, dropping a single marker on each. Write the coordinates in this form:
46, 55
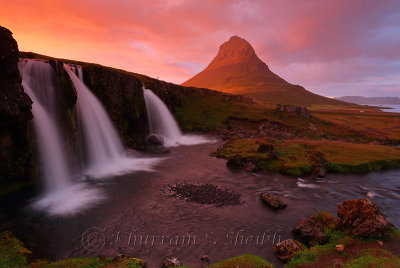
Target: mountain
371, 100
237, 69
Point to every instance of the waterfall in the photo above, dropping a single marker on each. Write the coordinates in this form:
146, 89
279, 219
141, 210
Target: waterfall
38, 83
104, 150
61, 196
162, 122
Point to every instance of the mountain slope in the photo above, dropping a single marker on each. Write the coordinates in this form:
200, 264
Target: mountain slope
237, 69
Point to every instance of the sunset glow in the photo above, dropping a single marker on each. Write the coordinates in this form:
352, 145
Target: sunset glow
332, 48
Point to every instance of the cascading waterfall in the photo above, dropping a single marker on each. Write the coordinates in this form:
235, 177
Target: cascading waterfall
162, 122
61, 196
105, 154
38, 84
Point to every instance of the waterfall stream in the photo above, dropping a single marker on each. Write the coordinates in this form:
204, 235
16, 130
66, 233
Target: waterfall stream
163, 123
103, 148
62, 196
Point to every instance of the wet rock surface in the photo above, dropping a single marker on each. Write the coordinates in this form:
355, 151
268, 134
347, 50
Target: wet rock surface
154, 140
205, 194
361, 217
272, 201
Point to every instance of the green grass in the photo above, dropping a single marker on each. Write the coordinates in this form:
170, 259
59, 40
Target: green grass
298, 156
243, 261
312, 254
212, 112
374, 258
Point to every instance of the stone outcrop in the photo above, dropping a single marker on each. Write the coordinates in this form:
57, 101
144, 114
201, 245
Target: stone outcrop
311, 231
303, 111
286, 250
361, 217
15, 114
171, 262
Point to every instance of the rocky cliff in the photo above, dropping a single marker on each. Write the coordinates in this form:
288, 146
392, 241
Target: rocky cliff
15, 114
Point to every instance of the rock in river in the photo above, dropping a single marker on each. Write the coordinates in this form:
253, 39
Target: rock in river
272, 201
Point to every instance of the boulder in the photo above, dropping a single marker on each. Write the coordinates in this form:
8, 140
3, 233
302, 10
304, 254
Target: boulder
302, 111
339, 247
361, 217
272, 201
264, 148
311, 231
286, 250
171, 262
154, 140
235, 162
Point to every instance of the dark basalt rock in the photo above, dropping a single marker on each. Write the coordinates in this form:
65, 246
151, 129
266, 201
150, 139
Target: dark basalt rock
286, 250
154, 140
311, 231
361, 217
272, 201
235, 162
239, 162
15, 113
264, 148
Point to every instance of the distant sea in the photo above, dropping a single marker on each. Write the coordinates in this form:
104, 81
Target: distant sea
396, 107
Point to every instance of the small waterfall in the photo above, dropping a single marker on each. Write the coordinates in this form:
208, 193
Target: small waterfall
105, 153
162, 122
61, 196
38, 83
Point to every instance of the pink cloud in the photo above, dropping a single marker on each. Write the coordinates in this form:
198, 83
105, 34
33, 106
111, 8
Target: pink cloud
313, 43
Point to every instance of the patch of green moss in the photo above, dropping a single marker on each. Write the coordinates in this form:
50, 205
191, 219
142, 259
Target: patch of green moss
243, 261
374, 258
309, 255
12, 253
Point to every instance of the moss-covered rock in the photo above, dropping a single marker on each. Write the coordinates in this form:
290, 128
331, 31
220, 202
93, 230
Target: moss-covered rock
12, 253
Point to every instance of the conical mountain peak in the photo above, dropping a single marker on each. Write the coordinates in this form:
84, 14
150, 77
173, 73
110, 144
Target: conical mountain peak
237, 69
233, 51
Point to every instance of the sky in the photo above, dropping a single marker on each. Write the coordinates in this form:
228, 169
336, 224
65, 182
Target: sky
331, 47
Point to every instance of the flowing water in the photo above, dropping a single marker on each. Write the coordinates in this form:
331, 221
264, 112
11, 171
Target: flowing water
104, 151
141, 219
163, 123
38, 82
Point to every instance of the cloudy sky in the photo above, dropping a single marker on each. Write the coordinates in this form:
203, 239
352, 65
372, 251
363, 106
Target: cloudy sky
332, 48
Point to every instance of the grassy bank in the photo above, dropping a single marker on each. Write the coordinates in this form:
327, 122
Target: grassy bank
300, 156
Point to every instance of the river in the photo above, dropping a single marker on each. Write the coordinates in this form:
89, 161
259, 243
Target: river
140, 219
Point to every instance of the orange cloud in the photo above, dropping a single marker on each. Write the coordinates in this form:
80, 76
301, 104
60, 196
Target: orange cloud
173, 40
